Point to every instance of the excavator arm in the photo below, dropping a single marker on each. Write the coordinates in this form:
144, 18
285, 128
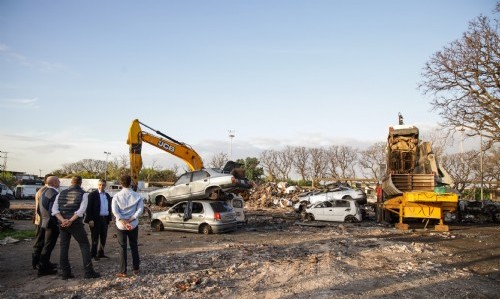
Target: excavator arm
179, 149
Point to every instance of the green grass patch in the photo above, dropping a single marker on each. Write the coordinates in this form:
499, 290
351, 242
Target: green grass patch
18, 234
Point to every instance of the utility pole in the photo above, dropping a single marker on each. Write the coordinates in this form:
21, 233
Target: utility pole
106, 171
232, 134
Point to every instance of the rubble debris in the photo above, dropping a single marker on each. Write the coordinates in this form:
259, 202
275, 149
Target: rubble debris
312, 224
8, 240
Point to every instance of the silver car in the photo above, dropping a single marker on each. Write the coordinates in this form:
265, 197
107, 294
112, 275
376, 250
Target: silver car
200, 216
343, 210
204, 183
332, 194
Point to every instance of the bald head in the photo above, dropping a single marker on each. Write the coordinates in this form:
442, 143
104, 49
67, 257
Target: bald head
53, 181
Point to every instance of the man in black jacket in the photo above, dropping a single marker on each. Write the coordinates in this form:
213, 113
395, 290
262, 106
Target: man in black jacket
98, 216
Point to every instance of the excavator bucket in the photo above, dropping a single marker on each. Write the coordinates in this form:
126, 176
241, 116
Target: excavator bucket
134, 141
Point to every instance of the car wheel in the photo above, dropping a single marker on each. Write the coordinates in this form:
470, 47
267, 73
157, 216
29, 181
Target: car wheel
157, 225
213, 194
161, 201
205, 229
347, 197
350, 218
310, 217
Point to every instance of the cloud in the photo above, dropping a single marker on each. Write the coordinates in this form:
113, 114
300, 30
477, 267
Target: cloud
20, 103
21, 59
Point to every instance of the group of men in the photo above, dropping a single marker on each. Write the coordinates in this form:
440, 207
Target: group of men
63, 215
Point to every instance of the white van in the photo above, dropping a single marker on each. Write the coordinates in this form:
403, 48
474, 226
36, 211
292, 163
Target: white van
27, 191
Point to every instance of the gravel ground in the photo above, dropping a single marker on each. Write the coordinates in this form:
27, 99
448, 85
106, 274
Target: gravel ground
277, 256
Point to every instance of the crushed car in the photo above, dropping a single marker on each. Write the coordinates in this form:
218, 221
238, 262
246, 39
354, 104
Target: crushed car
209, 183
341, 210
340, 192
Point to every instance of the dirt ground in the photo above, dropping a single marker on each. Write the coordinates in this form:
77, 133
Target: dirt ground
278, 256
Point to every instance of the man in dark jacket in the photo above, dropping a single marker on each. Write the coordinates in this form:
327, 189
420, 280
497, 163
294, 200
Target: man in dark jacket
69, 208
98, 216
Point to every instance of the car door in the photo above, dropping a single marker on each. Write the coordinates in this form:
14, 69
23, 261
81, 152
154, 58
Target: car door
199, 183
175, 218
319, 211
181, 188
341, 208
197, 216
327, 211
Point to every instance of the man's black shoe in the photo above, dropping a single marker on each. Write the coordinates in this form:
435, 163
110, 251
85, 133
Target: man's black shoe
92, 274
46, 272
67, 276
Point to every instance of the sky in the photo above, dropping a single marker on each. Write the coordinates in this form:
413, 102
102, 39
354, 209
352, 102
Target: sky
75, 74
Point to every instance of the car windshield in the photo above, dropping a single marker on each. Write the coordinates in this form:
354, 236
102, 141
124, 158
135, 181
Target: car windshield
219, 206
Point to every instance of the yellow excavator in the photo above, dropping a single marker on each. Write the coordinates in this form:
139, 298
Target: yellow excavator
179, 149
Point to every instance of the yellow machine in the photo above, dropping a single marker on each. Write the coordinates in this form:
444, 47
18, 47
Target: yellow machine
179, 149
414, 185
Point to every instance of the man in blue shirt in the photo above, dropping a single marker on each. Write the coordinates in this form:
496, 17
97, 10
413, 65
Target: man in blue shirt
127, 205
98, 216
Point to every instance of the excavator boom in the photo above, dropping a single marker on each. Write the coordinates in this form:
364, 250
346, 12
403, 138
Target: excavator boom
179, 149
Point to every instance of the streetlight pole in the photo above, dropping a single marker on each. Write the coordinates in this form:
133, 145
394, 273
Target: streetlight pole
231, 136
4, 163
106, 171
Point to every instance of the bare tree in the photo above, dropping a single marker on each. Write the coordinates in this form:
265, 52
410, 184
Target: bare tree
461, 168
318, 164
371, 159
219, 160
331, 156
285, 162
269, 159
301, 161
439, 140
464, 80
342, 161
491, 168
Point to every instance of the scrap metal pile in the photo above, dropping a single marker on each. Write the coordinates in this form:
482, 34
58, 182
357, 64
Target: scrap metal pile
273, 194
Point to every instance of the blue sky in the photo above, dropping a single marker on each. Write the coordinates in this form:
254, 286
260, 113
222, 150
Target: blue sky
74, 74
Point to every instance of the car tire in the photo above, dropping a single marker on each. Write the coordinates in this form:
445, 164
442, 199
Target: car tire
310, 217
205, 229
161, 201
347, 197
157, 226
350, 218
213, 193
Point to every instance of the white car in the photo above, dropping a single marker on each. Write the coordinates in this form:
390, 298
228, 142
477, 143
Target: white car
343, 210
199, 184
338, 193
